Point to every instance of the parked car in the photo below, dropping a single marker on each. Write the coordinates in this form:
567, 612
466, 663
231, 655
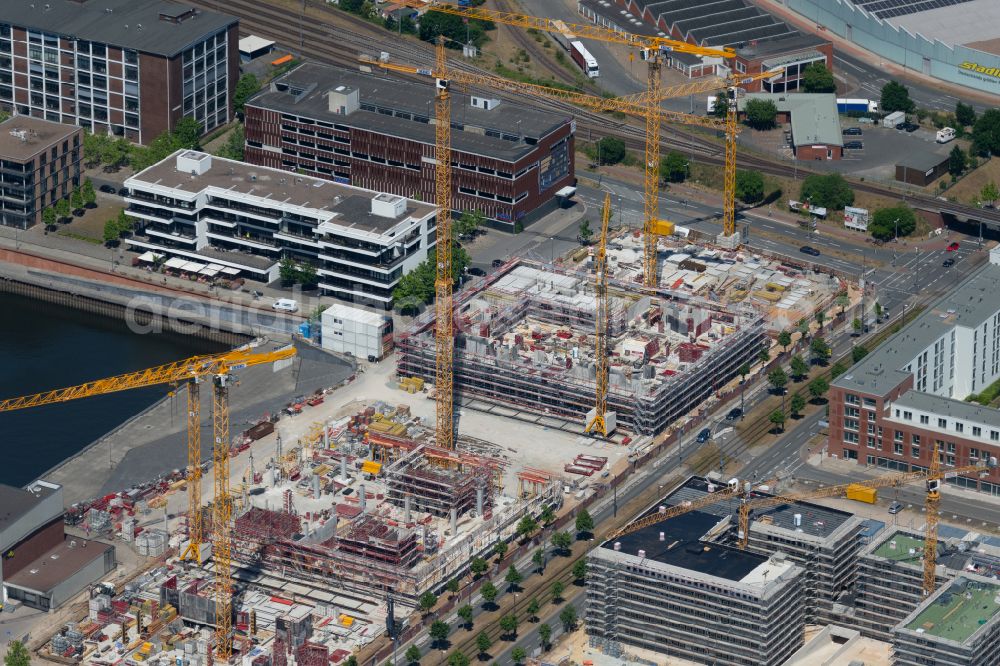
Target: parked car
285, 305
853, 131
108, 189
734, 414
952, 247
910, 127
948, 263
811, 251
900, 126
895, 507
853, 145
704, 435
123, 192
497, 263
473, 270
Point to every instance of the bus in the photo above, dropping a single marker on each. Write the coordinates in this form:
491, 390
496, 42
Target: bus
581, 56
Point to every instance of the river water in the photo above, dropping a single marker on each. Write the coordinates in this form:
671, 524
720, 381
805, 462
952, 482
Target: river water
43, 347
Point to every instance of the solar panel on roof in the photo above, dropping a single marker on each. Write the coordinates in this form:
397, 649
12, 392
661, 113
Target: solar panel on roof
892, 8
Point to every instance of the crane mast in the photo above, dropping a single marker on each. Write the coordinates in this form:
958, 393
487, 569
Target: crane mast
444, 335
932, 504
598, 423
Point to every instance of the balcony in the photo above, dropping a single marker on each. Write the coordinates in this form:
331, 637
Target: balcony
257, 242
172, 235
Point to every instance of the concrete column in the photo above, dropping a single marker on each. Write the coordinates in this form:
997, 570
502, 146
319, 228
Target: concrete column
480, 493
407, 516
326, 435
343, 467
454, 521
361, 498
315, 486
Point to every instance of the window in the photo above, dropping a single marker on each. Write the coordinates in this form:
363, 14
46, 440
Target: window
908, 416
852, 411
943, 423
870, 402
871, 428
897, 449
852, 399
977, 431
995, 435
914, 451
915, 439
951, 447
871, 442
973, 454
924, 419
960, 427
897, 436
851, 437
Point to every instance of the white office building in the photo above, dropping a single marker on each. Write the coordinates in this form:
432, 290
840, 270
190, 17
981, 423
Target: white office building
360, 333
203, 209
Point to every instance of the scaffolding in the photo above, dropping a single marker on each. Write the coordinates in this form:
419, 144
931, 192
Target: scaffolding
526, 341
416, 482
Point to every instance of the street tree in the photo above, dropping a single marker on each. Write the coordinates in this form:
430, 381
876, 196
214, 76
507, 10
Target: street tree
878, 310
427, 601
458, 658
518, 654
526, 526
784, 339
820, 318
749, 187
579, 569
439, 631
513, 577
585, 232
483, 643
896, 97
744, 371
818, 388
820, 349
799, 368
547, 515
990, 193
63, 209
533, 608
892, 222
856, 325
17, 654
453, 586
610, 150
557, 591
562, 541
478, 566
777, 379
816, 78
49, 218
246, 86
777, 417
837, 369
568, 617
545, 634
538, 559
760, 113
89, 195
986, 133
508, 623
796, 405
858, 353
584, 523
500, 549
803, 326
412, 655
843, 300
764, 356
489, 592
466, 612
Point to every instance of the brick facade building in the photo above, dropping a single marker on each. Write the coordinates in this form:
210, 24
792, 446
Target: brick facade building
508, 161
907, 399
39, 165
129, 67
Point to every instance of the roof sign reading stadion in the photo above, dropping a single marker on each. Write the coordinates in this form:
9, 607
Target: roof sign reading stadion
989, 74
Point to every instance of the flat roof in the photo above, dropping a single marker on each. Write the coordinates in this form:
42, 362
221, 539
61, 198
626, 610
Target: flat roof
683, 547
15, 502
956, 409
969, 305
23, 137
132, 24
898, 547
958, 610
814, 116
350, 206
923, 161
717, 23
57, 564
396, 96
252, 43
954, 22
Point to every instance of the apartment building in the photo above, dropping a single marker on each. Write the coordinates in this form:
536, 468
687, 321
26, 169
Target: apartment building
508, 160
672, 589
907, 398
131, 68
243, 219
958, 625
39, 165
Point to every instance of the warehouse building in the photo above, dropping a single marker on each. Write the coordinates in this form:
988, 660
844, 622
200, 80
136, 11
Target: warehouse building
813, 119
211, 215
130, 68
922, 168
762, 41
670, 589
907, 398
42, 567
39, 165
957, 625
508, 161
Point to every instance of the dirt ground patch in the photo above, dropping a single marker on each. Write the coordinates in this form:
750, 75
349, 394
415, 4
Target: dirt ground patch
90, 226
967, 190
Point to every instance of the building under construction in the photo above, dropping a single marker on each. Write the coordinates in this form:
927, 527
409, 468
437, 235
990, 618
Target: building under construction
525, 338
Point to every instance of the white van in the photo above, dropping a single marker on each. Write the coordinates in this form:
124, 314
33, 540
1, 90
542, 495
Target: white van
286, 305
945, 134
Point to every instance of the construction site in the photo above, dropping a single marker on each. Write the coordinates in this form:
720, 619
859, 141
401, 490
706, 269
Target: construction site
526, 333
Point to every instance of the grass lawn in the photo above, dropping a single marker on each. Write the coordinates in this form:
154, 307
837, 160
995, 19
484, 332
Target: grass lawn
967, 190
90, 226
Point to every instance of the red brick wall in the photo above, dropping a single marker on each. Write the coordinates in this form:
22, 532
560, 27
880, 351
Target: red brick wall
818, 152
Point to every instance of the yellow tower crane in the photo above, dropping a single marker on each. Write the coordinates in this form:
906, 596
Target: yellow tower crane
653, 50
190, 371
598, 422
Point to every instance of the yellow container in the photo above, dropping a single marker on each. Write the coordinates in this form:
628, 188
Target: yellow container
860, 493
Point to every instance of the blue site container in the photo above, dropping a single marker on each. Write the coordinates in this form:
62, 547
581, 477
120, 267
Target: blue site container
305, 329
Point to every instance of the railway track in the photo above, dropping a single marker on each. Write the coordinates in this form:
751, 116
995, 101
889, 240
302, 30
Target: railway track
538, 53
345, 37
